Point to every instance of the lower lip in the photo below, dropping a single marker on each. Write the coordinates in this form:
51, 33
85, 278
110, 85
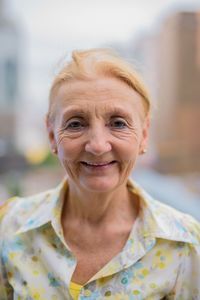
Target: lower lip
99, 168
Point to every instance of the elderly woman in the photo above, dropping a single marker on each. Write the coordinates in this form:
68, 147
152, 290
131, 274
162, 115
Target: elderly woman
97, 235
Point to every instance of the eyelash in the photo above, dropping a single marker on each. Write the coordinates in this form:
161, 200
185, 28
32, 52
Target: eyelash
80, 124
122, 123
71, 127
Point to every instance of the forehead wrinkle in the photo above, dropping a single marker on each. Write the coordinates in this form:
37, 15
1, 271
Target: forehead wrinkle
90, 95
70, 94
116, 110
99, 110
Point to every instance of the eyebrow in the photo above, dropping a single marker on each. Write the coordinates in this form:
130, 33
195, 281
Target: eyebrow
112, 111
73, 112
116, 111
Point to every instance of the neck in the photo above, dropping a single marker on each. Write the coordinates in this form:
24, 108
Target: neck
99, 208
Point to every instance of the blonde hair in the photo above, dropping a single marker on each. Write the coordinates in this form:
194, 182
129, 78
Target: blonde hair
91, 63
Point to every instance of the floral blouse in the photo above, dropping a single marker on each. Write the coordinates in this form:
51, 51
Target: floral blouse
160, 260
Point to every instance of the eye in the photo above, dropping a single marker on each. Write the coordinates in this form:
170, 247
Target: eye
118, 123
75, 125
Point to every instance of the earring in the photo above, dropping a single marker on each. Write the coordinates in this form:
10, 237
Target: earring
144, 151
54, 151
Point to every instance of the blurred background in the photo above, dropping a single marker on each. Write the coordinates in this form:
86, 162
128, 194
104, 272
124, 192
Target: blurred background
162, 40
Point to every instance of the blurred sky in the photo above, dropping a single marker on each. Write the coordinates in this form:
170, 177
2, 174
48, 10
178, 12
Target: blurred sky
49, 29
52, 27
87, 22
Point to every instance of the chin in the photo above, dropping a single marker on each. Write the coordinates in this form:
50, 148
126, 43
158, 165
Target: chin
100, 184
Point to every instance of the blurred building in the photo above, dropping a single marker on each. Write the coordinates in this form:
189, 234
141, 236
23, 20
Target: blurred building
10, 160
9, 70
171, 68
176, 132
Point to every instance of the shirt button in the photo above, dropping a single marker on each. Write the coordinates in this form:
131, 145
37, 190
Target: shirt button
124, 280
108, 293
87, 293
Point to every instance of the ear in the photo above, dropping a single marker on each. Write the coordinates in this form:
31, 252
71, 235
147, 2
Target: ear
51, 135
145, 135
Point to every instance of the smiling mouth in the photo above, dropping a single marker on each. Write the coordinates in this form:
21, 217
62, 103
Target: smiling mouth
98, 164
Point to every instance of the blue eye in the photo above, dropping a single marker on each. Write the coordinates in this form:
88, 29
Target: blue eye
75, 125
118, 124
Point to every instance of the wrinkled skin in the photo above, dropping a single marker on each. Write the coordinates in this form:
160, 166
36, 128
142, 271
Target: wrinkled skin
98, 121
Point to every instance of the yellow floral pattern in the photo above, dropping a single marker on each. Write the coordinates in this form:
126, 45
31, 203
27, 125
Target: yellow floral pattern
161, 258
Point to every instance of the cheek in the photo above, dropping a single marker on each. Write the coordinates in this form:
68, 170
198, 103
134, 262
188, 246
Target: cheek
128, 149
68, 150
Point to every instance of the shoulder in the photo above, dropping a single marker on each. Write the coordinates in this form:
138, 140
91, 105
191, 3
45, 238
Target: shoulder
178, 224
174, 224
170, 223
16, 210
6, 206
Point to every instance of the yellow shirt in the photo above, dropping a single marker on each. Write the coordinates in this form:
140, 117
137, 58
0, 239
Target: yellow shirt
75, 289
161, 258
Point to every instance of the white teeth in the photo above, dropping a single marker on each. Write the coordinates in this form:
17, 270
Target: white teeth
101, 164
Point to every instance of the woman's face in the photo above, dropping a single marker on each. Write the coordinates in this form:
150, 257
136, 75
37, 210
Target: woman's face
98, 132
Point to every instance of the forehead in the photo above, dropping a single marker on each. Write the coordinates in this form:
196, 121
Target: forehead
103, 92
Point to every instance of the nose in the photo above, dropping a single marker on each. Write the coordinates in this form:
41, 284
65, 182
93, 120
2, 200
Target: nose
98, 141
